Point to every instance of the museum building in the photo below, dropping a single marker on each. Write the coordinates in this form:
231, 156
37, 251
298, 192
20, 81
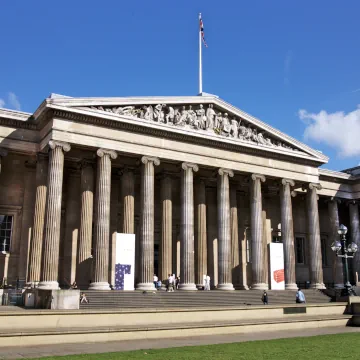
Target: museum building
204, 186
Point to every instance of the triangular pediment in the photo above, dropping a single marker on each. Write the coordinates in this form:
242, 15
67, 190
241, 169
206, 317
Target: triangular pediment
206, 116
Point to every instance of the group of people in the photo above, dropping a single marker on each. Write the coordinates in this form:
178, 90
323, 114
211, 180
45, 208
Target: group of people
172, 282
300, 297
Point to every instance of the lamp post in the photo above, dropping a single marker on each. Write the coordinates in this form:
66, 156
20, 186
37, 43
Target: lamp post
347, 252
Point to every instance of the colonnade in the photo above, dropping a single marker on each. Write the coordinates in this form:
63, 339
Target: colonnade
44, 255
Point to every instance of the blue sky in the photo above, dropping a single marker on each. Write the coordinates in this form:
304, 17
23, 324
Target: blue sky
269, 58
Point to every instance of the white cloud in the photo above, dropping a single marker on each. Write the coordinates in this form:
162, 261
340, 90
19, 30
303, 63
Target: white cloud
2, 103
14, 101
287, 64
338, 130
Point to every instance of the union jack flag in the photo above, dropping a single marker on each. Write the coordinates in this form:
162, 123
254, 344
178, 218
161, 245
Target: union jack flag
202, 32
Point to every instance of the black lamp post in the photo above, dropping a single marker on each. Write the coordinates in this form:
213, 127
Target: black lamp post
347, 252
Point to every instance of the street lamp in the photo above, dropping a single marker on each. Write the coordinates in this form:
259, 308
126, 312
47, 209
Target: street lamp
4, 245
347, 252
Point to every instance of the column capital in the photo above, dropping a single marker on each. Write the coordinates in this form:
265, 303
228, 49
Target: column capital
333, 199
293, 194
64, 145
258, 176
3, 152
186, 166
102, 152
312, 186
287, 181
228, 172
147, 159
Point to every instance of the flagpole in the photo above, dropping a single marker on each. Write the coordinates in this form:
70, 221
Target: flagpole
200, 58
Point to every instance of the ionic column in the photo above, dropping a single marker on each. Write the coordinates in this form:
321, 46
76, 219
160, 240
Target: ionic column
83, 272
166, 233
201, 234
146, 268
258, 260
187, 270
316, 271
334, 236
102, 220
234, 225
224, 233
287, 233
355, 234
3, 153
49, 273
128, 195
39, 218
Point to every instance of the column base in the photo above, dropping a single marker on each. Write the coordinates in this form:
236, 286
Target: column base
319, 286
48, 285
187, 287
241, 287
260, 286
292, 286
225, 287
146, 286
99, 286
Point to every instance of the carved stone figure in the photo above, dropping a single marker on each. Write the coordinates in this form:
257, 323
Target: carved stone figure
201, 117
170, 116
158, 113
218, 121
248, 134
149, 113
234, 128
261, 139
183, 116
242, 130
254, 137
192, 118
210, 116
225, 125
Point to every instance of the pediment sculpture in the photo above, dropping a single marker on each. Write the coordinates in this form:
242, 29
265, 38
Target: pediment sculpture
198, 118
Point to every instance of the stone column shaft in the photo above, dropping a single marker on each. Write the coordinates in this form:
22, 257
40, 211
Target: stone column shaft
355, 235
50, 263
234, 225
287, 234
83, 272
257, 246
201, 235
102, 220
187, 270
224, 231
146, 269
39, 218
316, 271
128, 195
166, 234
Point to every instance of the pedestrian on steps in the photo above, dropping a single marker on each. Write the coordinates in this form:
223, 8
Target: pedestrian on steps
265, 298
83, 299
300, 297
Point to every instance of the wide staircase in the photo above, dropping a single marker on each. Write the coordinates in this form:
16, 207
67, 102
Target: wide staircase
193, 299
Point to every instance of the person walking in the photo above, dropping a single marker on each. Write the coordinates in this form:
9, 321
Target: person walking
83, 299
265, 298
155, 280
300, 297
207, 283
170, 283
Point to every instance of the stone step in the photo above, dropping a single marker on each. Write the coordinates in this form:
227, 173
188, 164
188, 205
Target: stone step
169, 330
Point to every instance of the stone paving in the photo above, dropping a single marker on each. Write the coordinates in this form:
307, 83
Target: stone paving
89, 348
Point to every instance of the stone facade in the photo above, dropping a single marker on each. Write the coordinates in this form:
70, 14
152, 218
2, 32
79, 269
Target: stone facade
204, 187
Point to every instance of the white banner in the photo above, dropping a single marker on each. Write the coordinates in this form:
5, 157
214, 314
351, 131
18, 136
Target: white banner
277, 280
125, 262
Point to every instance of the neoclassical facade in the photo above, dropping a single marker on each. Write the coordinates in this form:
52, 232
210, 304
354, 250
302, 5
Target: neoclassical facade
203, 186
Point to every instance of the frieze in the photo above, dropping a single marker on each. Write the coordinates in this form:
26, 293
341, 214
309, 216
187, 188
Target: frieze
198, 118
